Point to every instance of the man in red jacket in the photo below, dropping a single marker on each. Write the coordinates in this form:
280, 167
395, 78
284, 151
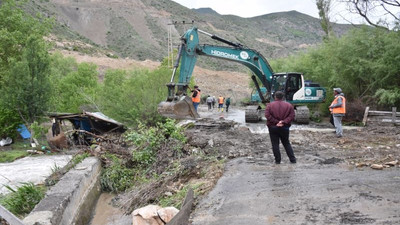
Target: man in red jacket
279, 116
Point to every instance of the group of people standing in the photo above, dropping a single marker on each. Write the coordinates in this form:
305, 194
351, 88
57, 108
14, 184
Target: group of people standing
211, 103
211, 100
279, 115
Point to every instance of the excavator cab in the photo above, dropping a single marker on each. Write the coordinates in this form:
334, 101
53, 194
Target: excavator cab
298, 92
289, 83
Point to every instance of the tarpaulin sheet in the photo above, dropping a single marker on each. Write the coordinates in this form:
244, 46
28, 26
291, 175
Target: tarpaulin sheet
24, 131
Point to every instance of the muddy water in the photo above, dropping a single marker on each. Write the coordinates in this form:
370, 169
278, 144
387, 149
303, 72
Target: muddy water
238, 115
106, 214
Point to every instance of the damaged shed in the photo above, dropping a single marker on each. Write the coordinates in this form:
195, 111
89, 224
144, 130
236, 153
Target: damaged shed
85, 126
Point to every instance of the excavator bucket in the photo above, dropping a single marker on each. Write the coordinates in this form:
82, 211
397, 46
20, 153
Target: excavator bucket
181, 109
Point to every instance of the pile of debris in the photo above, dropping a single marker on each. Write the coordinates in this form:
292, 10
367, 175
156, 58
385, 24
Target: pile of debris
83, 129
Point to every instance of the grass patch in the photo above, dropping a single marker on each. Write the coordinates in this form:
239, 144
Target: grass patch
177, 199
16, 150
78, 159
21, 201
19, 145
11, 155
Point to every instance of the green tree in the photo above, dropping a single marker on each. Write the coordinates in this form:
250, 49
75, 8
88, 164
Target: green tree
60, 67
27, 87
24, 66
129, 96
76, 89
113, 94
324, 8
16, 28
364, 63
9, 122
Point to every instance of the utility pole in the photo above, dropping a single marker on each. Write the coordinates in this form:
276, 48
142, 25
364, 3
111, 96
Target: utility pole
170, 41
170, 49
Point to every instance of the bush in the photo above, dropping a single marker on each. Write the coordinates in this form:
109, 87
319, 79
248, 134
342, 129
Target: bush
171, 130
9, 122
38, 130
354, 111
117, 177
148, 140
24, 199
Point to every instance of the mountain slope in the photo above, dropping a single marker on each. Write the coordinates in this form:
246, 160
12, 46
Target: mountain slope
139, 28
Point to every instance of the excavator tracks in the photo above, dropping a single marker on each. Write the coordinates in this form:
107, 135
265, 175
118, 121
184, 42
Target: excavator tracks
253, 114
302, 115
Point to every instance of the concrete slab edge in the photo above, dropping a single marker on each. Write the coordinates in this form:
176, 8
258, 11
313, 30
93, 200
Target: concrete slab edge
71, 200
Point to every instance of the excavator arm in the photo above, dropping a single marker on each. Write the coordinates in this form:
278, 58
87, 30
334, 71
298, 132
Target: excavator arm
191, 49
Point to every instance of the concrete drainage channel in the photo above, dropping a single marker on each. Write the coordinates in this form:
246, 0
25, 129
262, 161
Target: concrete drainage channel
72, 199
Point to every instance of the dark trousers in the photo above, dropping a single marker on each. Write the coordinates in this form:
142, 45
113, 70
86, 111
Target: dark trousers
209, 104
227, 107
281, 133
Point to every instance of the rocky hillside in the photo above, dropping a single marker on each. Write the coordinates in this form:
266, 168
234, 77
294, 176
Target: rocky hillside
139, 29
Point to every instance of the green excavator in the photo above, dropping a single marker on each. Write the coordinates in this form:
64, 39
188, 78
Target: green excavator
297, 91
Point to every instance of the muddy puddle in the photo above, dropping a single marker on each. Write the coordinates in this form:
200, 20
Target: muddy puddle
238, 115
106, 214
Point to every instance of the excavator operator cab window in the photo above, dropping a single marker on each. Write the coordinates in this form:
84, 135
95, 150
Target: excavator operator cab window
293, 84
278, 83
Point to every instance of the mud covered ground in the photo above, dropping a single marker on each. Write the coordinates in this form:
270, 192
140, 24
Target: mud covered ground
233, 167
332, 183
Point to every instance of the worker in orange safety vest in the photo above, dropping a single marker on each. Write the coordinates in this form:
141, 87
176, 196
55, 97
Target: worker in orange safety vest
221, 103
338, 110
196, 95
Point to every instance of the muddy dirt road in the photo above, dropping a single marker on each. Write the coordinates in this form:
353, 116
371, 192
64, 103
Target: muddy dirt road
252, 191
332, 183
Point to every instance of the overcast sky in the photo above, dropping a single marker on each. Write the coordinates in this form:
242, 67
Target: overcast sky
251, 8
